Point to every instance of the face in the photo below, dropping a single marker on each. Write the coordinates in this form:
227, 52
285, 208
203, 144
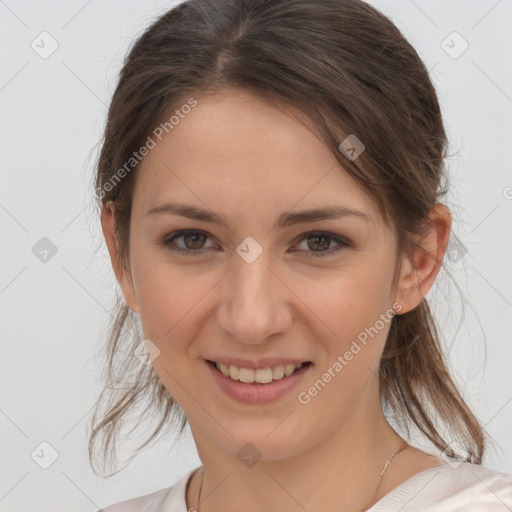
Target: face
266, 287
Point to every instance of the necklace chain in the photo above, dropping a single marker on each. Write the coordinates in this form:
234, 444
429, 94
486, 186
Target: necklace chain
403, 445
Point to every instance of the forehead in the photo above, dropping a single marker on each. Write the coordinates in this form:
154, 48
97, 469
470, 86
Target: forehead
235, 149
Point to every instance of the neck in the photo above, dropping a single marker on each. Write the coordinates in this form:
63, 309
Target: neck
343, 471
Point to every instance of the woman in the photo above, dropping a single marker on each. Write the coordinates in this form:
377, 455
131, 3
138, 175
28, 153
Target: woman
269, 186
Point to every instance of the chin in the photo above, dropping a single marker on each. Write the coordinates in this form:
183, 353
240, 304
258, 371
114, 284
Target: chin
258, 440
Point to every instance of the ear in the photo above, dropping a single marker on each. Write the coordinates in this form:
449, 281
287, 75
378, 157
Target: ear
123, 278
420, 270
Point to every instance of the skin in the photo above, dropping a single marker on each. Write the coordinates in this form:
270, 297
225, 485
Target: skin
248, 160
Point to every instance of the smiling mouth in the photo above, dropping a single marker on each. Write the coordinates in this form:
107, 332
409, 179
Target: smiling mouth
260, 376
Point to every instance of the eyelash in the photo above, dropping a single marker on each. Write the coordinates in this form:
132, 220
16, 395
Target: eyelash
169, 239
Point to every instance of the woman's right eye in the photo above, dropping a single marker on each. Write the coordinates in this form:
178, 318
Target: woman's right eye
193, 241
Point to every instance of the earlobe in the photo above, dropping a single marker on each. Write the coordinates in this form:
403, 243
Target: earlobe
419, 270
109, 233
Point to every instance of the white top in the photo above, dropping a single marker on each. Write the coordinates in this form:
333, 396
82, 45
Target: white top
449, 487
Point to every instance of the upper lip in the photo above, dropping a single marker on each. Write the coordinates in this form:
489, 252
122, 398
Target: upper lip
257, 364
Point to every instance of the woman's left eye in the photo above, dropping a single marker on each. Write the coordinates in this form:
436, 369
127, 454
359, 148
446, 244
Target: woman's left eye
192, 242
322, 240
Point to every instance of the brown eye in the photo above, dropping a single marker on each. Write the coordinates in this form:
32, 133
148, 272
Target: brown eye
193, 240
190, 242
317, 244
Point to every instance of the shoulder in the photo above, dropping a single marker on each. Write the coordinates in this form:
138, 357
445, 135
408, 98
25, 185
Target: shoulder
451, 487
147, 503
172, 498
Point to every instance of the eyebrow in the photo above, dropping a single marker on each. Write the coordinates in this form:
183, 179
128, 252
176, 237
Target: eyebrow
284, 220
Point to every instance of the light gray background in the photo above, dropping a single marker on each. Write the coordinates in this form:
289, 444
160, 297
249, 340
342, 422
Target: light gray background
54, 313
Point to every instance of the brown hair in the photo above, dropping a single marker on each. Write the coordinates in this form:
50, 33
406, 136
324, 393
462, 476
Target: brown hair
348, 68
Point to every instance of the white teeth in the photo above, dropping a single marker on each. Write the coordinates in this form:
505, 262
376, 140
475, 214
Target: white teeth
261, 376
245, 375
278, 372
233, 372
289, 369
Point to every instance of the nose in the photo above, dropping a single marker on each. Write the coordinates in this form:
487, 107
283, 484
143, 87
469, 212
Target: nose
255, 303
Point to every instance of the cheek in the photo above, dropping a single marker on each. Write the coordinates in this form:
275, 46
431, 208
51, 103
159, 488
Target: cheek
172, 304
164, 295
349, 302
157, 302
355, 308
168, 308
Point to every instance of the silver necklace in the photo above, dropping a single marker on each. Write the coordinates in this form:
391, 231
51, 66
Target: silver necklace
403, 445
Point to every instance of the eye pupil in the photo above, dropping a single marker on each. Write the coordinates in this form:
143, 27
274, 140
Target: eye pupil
323, 246
194, 237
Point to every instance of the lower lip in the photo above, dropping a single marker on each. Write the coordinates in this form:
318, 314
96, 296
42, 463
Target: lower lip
253, 392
